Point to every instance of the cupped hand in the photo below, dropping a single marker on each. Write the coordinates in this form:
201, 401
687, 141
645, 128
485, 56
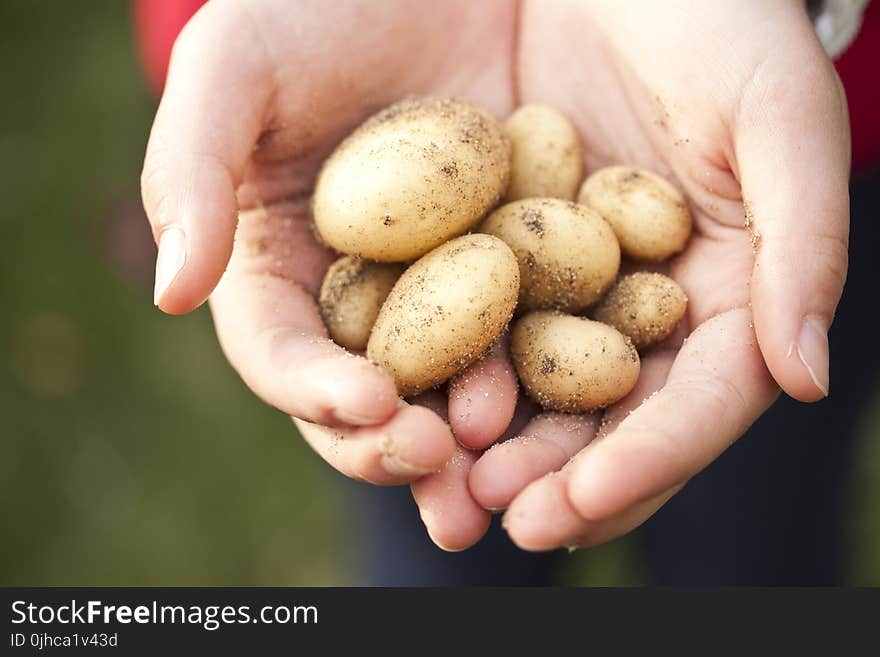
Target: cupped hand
258, 93
738, 103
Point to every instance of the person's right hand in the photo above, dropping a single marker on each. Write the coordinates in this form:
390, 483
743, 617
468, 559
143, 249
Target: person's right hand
258, 94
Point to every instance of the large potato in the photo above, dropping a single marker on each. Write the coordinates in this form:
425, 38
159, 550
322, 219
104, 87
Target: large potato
547, 158
645, 306
410, 178
648, 214
351, 295
445, 312
568, 255
572, 364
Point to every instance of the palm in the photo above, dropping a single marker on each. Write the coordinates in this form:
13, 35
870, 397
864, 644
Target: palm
620, 121
626, 123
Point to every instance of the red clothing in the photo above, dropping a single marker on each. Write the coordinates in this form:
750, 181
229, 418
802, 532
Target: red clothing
858, 68
157, 23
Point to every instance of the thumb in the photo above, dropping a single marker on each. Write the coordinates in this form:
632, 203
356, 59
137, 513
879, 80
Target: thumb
792, 150
207, 124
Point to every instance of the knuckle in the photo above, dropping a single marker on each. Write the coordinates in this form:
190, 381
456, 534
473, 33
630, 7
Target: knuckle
780, 90
831, 255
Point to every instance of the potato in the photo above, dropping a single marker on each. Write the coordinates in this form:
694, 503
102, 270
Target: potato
445, 312
568, 255
646, 307
351, 295
547, 158
648, 214
572, 364
410, 178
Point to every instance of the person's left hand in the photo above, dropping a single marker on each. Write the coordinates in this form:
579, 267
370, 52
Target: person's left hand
740, 106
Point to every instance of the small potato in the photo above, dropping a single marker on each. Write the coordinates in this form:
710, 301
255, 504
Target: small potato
572, 364
410, 178
648, 214
547, 158
645, 307
352, 293
568, 255
445, 312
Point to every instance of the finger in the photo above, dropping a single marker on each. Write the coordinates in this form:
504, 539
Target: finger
411, 444
542, 517
717, 387
453, 519
206, 126
623, 523
482, 399
543, 446
793, 154
272, 335
269, 327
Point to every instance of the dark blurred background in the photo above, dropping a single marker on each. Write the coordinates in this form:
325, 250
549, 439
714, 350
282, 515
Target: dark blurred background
131, 452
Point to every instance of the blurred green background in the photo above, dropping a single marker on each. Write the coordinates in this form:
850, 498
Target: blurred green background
131, 452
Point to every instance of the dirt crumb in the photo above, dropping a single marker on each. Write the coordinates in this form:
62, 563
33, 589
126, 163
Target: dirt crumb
534, 221
548, 365
749, 225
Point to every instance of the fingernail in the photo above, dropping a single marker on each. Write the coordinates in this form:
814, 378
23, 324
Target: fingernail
812, 349
505, 521
393, 464
397, 466
169, 261
354, 419
443, 547
428, 520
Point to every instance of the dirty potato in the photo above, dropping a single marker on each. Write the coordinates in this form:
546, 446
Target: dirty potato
351, 295
644, 306
568, 255
413, 176
547, 158
648, 214
445, 312
572, 364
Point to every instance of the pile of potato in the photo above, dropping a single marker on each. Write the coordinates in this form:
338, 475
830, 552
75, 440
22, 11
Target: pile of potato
426, 298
